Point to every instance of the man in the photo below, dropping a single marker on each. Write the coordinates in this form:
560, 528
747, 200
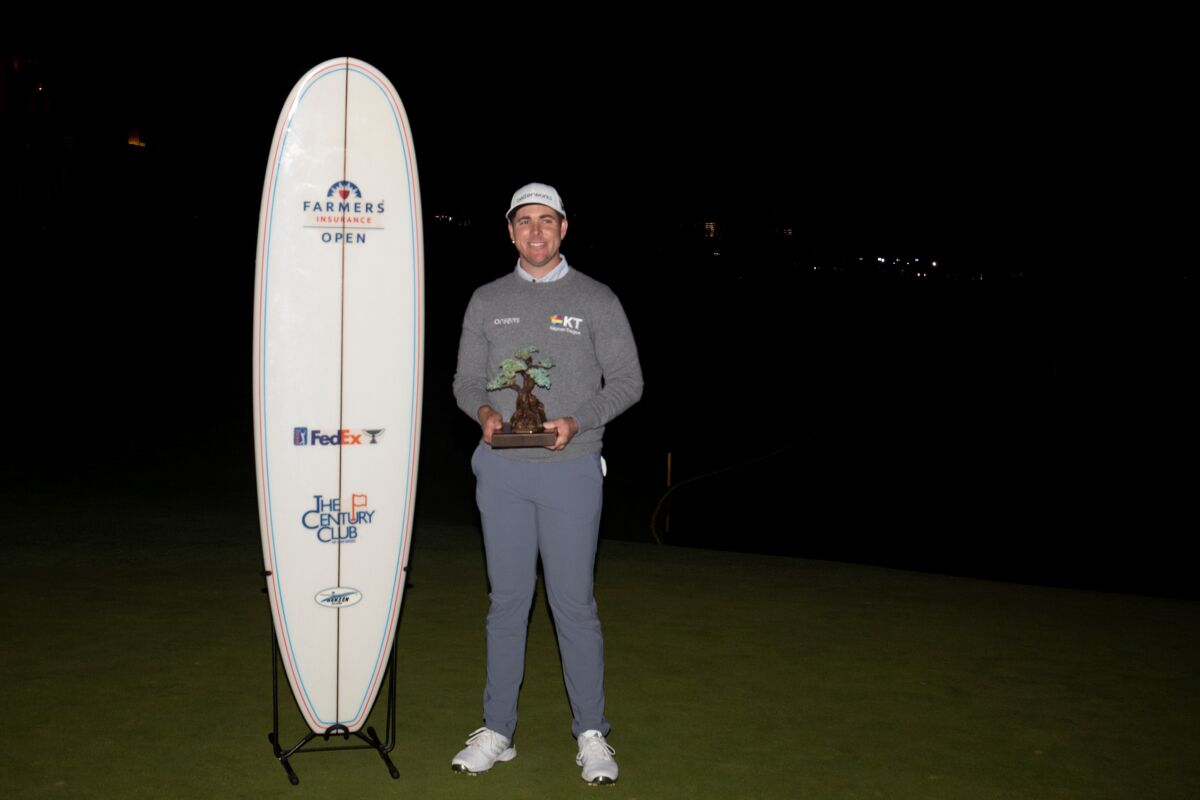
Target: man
544, 501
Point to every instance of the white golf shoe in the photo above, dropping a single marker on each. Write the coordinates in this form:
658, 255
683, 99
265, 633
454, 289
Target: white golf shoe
484, 748
596, 758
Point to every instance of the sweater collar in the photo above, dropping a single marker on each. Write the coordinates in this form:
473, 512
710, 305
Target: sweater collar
555, 274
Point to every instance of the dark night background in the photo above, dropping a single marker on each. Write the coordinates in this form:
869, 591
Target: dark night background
1025, 410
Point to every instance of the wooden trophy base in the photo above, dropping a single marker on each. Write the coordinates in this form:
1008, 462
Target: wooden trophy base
506, 438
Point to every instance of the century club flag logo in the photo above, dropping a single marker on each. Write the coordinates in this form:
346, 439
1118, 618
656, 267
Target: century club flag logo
331, 523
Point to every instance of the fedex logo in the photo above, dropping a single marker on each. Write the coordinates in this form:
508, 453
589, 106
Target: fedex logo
302, 436
344, 436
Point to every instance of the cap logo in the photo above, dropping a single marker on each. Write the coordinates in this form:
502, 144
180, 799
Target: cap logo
537, 193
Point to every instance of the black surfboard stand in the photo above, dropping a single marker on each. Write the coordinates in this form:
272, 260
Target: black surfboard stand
371, 738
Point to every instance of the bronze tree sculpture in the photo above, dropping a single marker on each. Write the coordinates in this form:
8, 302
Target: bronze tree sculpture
530, 413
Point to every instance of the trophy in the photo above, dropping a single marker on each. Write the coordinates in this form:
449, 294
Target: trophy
524, 428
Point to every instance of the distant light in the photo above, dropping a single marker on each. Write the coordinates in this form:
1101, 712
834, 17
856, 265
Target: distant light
135, 138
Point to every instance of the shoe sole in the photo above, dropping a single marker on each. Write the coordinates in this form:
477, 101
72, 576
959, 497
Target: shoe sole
507, 755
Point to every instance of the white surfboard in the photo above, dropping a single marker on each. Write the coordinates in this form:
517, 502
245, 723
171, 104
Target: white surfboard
338, 344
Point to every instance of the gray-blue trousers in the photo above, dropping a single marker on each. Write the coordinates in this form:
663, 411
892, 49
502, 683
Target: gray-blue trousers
552, 509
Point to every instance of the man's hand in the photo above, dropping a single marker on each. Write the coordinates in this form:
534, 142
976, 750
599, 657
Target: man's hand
490, 421
565, 427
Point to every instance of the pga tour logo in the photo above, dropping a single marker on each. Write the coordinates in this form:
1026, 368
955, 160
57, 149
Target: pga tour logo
337, 597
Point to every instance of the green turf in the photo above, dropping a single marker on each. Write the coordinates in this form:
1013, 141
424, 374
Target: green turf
135, 663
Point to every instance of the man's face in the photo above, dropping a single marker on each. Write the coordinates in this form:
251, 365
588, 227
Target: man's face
537, 232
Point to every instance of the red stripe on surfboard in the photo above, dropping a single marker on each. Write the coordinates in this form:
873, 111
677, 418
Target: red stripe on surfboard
281, 635
289, 665
418, 386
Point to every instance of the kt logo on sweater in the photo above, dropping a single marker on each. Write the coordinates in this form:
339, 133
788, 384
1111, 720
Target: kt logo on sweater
561, 322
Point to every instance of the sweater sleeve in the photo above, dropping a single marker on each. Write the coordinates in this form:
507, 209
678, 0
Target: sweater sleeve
622, 373
470, 377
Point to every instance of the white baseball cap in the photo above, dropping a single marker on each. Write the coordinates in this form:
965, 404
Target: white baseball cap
536, 193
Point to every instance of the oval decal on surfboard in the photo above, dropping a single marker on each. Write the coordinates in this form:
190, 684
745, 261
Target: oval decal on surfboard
338, 597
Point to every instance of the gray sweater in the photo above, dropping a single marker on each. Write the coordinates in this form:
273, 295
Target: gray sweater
577, 323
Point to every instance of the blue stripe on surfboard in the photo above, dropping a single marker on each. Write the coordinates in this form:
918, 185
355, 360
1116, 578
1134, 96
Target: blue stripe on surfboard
414, 440
266, 450
287, 639
404, 543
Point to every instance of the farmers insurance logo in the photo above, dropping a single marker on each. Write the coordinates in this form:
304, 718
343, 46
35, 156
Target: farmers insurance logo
332, 524
303, 437
343, 214
561, 322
